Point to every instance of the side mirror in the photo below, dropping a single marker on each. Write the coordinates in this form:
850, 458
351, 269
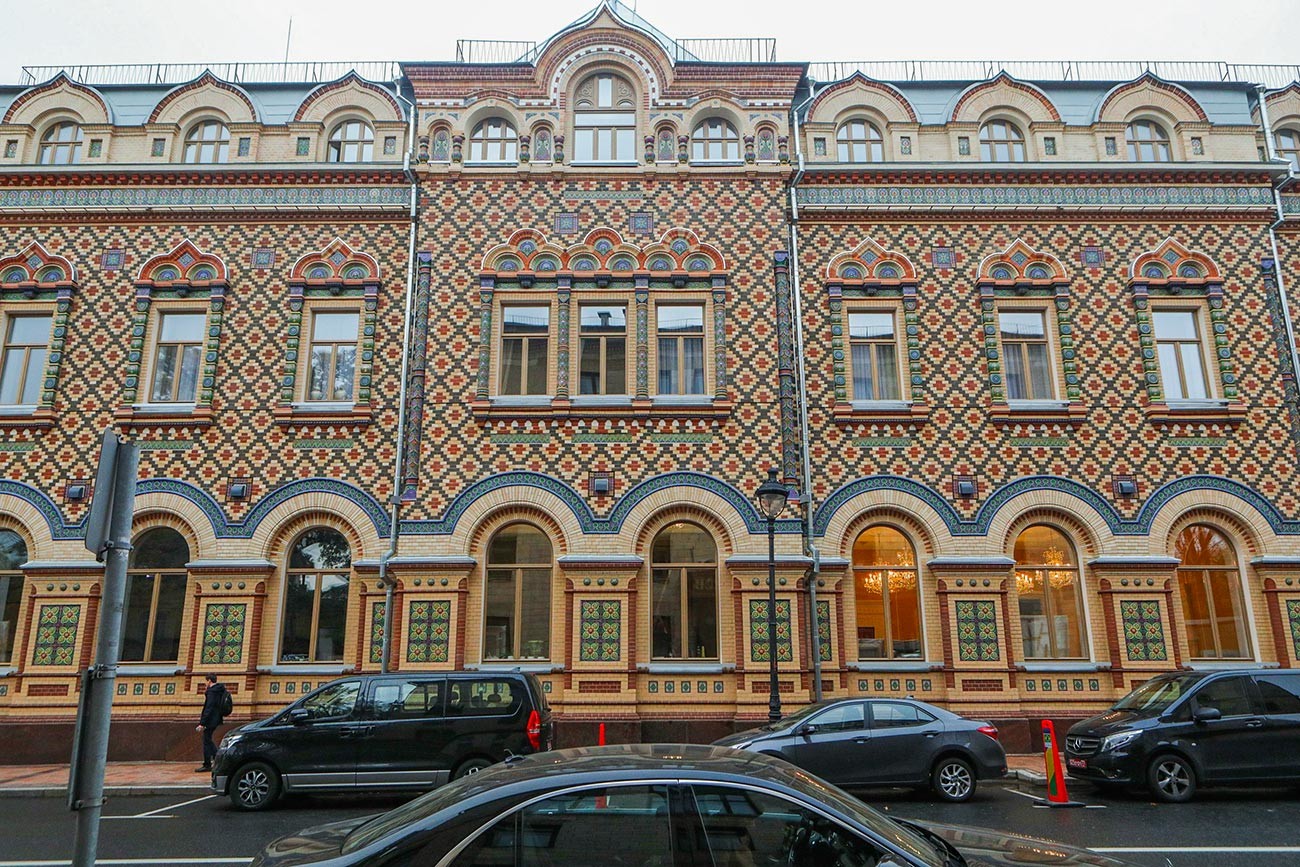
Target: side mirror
807, 729
1207, 714
300, 716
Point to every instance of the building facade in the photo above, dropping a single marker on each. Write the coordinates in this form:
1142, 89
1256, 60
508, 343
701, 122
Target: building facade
519, 335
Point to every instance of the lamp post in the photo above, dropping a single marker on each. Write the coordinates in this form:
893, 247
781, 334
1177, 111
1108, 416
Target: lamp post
771, 496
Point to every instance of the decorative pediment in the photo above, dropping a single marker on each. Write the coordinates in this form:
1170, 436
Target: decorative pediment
604, 251
1149, 91
1004, 91
338, 263
860, 92
1173, 263
36, 268
350, 91
870, 263
1022, 265
229, 99
185, 264
60, 92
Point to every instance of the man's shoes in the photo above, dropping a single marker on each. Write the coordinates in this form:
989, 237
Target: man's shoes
206, 769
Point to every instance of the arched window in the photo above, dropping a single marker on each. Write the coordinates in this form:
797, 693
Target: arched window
13, 554
1148, 142
1288, 146
859, 141
684, 594
316, 597
207, 142
517, 595
1002, 142
715, 141
886, 595
352, 141
494, 141
61, 144
155, 597
1209, 581
1051, 605
604, 120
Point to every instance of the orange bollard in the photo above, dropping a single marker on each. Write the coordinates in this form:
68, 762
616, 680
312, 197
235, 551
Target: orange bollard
1057, 796
600, 742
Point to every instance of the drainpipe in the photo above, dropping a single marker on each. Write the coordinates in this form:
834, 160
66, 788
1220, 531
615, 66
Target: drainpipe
810, 544
395, 503
1271, 151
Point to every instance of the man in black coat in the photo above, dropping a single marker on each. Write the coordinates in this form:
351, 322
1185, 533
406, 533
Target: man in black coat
216, 704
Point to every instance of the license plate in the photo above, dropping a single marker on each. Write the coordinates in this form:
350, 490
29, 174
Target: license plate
1078, 763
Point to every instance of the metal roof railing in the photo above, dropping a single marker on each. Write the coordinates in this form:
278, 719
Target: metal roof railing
743, 50
237, 72
1272, 75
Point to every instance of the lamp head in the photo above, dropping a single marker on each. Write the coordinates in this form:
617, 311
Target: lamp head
772, 496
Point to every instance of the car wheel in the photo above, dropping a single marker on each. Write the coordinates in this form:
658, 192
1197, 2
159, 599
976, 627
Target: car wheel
255, 786
953, 779
1171, 779
471, 766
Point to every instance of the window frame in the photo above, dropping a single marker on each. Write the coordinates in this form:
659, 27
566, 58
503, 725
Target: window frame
1291, 154
683, 606
873, 147
706, 338
8, 314
157, 575
195, 145
1014, 141
887, 647
624, 119
1239, 597
727, 141
1050, 330
337, 143
894, 310
499, 347
1200, 321
56, 146
15, 587
318, 574
1137, 146
157, 313
506, 145
517, 569
1048, 602
629, 349
310, 312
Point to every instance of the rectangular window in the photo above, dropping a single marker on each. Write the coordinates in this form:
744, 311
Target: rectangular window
602, 350
177, 357
333, 356
517, 614
1049, 146
873, 345
684, 613
525, 338
1178, 349
22, 371
604, 137
11, 595
151, 629
1027, 355
681, 349
1111, 148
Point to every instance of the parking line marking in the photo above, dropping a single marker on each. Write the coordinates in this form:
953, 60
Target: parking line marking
106, 818
1189, 850
152, 813
127, 862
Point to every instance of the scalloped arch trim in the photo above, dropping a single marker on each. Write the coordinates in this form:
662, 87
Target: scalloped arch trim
866, 261
184, 260
1020, 260
856, 80
340, 262
205, 80
58, 81
1175, 259
1002, 79
604, 249
34, 262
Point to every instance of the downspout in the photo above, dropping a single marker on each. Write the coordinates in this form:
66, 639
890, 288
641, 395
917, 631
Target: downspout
810, 544
1271, 152
395, 503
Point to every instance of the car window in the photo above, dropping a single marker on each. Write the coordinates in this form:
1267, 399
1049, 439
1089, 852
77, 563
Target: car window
745, 828
1280, 693
590, 828
1229, 695
412, 699
336, 701
892, 714
846, 717
487, 697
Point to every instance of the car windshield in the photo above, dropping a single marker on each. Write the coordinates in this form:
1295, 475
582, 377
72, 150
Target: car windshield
413, 811
797, 717
1158, 694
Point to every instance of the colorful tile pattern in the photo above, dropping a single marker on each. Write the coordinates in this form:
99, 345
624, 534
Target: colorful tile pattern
377, 633
977, 631
824, 631
56, 635
601, 630
1293, 615
428, 631
1144, 633
223, 634
758, 626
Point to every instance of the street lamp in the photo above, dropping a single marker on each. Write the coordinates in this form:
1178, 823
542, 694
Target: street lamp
771, 496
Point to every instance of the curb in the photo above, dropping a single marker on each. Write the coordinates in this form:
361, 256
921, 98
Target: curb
1020, 775
109, 791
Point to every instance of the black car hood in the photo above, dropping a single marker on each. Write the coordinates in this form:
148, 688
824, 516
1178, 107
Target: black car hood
310, 845
983, 848
747, 735
1112, 721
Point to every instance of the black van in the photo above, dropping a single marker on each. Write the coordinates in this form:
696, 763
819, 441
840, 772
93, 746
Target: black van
1192, 728
384, 732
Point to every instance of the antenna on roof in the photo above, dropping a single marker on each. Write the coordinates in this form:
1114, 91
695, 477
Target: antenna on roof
288, 36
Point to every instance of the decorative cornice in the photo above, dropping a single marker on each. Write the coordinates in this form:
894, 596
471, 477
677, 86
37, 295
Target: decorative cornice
894, 196
206, 198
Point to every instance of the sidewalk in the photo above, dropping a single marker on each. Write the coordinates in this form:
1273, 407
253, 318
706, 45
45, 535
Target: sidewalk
156, 778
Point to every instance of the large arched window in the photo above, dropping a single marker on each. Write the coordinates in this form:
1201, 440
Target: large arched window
316, 597
715, 141
61, 144
352, 141
155, 597
1148, 142
1051, 603
1001, 141
1209, 581
494, 141
886, 595
13, 554
604, 120
1288, 146
684, 588
859, 141
517, 595
207, 142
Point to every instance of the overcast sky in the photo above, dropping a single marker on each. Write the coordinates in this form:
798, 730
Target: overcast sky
52, 32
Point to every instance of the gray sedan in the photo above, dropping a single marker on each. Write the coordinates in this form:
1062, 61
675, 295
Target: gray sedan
883, 742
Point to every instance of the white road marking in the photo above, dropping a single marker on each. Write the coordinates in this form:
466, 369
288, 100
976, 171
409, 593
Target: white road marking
154, 813
1043, 806
106, 818
127, 862
1189, 850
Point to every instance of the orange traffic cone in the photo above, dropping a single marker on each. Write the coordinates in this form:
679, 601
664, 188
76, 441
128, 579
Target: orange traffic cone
1057, 796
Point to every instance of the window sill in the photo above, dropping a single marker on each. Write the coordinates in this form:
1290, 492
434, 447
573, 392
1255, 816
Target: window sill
610, 165
8, 672
1063, 667
178, 415
306, 413
604, 407
530, 667
682, 668
891, 665
25, 416
127, 669
881, 410
1071, 413
1223, 412
306, 668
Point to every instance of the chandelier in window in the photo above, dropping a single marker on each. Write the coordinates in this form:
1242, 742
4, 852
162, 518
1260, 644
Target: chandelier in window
1027, 580
898, 580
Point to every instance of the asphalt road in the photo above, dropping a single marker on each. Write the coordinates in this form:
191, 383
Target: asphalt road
1227, 828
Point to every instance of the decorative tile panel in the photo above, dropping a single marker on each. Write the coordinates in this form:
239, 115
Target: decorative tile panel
377, 633
758, 631
1293, 616
824, 630
428, 631
601, 630
394, 198
977, 631
1123, 197
56, 635
223, 634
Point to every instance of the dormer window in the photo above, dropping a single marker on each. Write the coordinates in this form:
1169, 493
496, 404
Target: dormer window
61, 144
1148, 142
1002, 142
859, 142
494, 141
1288, 147
352, 141
715, 141
207, 142
604, 121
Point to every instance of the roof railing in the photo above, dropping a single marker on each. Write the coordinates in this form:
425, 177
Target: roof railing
1272, 75
742, 50
236, 72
